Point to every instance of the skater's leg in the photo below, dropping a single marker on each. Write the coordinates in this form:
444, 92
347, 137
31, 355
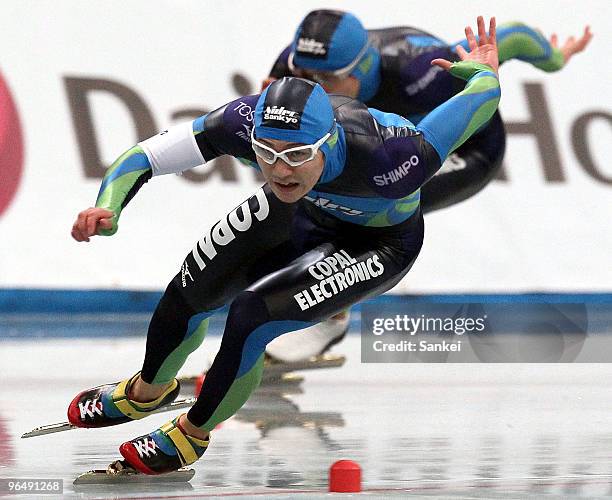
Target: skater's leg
238, 366
221, 264
175, 331
315, 285
211, 275
292, 298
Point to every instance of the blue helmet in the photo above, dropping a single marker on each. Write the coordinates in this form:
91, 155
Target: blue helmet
336, 41
298, 110
328, 40
294, 110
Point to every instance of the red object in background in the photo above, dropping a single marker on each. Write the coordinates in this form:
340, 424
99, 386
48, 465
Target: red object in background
11, 148
7, 453
345, 477
198, 388
198, 384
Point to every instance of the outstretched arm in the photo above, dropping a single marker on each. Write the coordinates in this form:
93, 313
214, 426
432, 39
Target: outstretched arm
130, 172
453, 122
519, 41
223, 131
122, 180
412, 155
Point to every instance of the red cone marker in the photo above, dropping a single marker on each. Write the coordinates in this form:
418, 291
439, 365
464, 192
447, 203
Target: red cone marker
345, 477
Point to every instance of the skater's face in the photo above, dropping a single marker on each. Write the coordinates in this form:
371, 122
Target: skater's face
288, 183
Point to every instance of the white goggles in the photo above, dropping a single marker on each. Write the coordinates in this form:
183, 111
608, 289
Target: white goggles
321, 76
293, 156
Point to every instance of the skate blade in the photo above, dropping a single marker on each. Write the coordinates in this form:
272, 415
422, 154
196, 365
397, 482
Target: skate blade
48, 429
281, 379
66, 426
120, 473
313, 363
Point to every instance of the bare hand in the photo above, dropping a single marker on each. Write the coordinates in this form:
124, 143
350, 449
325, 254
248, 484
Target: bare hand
90, 221
483, 51
571, 45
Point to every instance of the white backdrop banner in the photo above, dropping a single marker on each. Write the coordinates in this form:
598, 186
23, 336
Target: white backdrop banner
80, 82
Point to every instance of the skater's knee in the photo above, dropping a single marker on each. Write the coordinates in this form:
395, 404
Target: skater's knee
247, 312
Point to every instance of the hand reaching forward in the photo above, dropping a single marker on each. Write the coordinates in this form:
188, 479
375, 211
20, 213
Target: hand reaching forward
483, 50
90, 221
571, 45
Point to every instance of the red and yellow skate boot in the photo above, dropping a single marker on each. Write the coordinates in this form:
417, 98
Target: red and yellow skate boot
164, 450
109, 405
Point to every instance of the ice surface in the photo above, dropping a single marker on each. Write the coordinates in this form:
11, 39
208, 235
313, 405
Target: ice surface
441, 430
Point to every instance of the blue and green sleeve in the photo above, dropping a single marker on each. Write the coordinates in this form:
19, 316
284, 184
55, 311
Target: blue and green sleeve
454, 121
518, 41
172, 151
122, 180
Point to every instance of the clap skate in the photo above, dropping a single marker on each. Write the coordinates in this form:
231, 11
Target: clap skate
163, 450
121, 472
108, 405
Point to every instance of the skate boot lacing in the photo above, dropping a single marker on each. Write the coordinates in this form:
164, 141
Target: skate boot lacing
90, 407
145, 447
